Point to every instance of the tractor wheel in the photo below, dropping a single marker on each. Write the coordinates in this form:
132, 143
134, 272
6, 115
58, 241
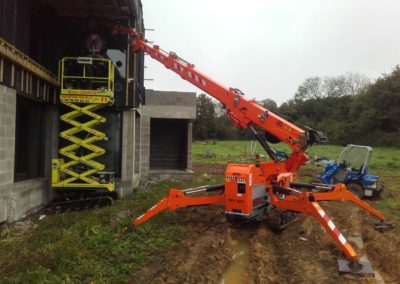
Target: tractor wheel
356, 189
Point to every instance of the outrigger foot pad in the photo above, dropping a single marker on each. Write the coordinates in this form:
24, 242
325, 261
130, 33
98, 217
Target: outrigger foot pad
361, 267
383, 225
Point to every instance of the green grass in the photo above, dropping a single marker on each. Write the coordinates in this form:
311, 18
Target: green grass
94, 245
240, 151
390, 203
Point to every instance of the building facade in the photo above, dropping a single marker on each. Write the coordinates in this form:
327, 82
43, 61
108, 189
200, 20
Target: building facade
34, 36
149, 133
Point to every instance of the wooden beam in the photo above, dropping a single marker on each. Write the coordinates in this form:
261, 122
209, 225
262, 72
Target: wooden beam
10, 52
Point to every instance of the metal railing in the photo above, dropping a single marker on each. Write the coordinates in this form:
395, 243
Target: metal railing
86, 76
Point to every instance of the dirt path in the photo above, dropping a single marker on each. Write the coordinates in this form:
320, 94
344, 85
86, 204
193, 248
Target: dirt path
302, 253
202, 257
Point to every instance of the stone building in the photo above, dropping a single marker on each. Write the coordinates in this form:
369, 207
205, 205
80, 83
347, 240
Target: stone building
165, 145
34, 36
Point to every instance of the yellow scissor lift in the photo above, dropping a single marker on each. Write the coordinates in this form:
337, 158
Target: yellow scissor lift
86, 85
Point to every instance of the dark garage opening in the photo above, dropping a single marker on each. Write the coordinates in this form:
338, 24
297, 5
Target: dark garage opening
29, 140
168, 143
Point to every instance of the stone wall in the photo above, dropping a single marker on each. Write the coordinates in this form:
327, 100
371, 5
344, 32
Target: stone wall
144, 156
18, 199
129, 178
164, 105
127, 146
7, 141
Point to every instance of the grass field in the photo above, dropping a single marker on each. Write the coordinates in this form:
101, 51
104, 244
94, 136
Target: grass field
239, 151
98, 246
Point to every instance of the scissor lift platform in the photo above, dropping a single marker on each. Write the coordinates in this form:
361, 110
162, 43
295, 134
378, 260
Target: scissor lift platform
86, 85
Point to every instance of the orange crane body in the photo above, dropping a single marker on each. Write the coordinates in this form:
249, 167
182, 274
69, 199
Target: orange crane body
250, 190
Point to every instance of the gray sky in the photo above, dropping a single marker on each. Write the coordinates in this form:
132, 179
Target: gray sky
267, 48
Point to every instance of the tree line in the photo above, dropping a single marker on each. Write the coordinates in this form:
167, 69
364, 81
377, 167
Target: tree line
348, 108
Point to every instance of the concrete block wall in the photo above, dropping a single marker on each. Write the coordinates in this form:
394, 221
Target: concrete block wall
136, 165
164, 105
129, 177
144, 146
127, 145
25, 197
18, 199
8, 101
189, 150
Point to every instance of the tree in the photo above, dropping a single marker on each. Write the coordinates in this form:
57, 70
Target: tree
269, 104
376, 111
335, 86
349, 108
225, 129
311, 88
204, 125
219, 109
356, 83
316, 87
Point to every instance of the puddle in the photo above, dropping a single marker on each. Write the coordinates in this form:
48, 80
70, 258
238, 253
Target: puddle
237, 273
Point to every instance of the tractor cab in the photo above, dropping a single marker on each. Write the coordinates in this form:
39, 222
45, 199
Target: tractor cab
355, 159
352, 169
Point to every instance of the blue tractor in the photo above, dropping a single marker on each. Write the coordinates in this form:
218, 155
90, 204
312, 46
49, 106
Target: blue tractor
352, 170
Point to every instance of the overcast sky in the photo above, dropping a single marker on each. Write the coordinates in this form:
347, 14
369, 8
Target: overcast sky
267, 48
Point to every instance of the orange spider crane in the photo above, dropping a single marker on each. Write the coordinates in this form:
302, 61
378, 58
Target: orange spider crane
252, 190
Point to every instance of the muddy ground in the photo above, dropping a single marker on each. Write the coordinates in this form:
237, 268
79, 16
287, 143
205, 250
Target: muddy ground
302, 253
